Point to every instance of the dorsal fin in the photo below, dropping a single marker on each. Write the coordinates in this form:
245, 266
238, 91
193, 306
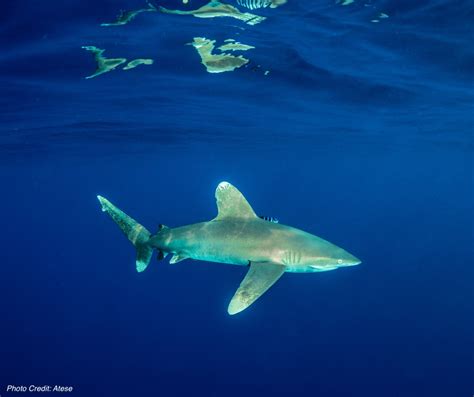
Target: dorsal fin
231, 203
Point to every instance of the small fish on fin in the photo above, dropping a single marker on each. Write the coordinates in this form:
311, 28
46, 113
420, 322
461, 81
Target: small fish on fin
271, 219
178, 258
162, 227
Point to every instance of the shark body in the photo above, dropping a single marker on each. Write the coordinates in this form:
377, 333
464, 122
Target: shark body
237, 236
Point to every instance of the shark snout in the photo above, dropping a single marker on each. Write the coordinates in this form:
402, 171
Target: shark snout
353, 262
349, 260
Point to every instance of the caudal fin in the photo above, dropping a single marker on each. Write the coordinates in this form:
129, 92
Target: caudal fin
136, 233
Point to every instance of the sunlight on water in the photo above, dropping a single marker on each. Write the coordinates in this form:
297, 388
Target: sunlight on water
217, 9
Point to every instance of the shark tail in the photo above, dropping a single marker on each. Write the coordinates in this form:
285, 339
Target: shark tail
136, 233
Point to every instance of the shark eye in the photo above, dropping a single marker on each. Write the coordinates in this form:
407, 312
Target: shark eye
339, 261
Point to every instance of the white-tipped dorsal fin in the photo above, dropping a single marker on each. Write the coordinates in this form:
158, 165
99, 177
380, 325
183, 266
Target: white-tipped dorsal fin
231, 203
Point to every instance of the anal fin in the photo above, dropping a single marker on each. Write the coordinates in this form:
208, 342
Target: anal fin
178, 258
260, 277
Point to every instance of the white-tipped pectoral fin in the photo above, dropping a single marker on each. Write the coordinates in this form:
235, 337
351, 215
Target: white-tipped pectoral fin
260, 277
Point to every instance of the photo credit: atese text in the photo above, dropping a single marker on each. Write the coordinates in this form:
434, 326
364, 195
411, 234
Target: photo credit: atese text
39, 389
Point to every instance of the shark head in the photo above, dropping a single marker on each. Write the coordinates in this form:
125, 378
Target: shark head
335, 259
316, 254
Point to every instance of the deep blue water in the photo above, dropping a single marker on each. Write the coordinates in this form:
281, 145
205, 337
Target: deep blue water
361, 134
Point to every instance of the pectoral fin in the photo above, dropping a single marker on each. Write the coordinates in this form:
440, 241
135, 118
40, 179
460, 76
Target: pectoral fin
260, 277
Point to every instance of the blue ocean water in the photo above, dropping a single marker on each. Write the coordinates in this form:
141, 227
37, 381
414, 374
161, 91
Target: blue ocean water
360, 132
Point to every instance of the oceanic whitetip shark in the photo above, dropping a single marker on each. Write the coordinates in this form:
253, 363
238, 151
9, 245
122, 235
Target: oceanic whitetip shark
236, 236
